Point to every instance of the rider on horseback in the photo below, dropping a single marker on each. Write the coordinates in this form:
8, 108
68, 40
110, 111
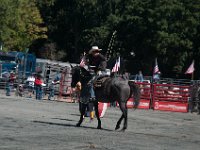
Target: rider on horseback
97, 60
97, 65
111, 89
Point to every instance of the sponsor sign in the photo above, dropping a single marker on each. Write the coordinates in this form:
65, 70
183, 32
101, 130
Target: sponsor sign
171, 106
144, 104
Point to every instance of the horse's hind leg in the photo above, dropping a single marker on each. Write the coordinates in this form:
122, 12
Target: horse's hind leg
97, 115
124, 115
119, 122
82, 111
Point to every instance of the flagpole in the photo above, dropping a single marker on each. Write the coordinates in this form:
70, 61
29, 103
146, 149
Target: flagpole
192, 77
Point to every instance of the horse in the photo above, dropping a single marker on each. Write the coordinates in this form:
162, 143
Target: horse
112, 89
194, 103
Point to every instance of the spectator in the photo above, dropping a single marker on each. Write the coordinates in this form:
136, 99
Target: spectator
139, 77
21, 90
52, 88
156, 77
38, 87
31, 81
10, 83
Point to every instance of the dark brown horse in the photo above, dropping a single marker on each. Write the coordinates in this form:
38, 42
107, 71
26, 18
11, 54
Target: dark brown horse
112, 89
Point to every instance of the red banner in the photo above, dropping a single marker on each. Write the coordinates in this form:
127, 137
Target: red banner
171, 106
144, 104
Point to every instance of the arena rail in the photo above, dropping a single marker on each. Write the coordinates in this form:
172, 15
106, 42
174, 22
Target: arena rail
169, 97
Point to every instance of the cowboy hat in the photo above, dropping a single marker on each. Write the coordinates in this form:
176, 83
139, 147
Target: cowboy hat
93, 49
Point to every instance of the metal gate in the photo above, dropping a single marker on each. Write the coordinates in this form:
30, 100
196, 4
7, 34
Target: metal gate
170, 97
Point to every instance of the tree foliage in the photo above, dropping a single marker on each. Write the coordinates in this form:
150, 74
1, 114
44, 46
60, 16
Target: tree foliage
167, 29
20, 24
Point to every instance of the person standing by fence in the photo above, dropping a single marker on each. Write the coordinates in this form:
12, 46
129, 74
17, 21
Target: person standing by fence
52, 88
139, 77
156, 77
10, 83
38, 87
31, 81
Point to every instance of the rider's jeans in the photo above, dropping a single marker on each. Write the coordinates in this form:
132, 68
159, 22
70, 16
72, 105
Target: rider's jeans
91, 89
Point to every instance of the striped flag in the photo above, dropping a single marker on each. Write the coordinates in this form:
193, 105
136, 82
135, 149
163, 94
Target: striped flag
83, 61
116, 66
190, 70
156, 69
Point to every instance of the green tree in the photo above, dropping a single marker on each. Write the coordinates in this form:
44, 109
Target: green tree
21, 24
168, 30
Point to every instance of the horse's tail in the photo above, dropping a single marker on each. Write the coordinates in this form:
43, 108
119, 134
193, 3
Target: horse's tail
135, 91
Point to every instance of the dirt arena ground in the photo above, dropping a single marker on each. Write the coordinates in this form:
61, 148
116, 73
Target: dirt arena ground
27, 124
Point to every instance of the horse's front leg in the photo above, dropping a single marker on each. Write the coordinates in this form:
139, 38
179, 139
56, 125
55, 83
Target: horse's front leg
82, 111
97, 115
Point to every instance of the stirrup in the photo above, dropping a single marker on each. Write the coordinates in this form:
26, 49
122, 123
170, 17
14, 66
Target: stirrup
92, 99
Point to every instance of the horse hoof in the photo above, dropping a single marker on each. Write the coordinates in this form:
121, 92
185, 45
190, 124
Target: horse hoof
78, 125
99, 127
190, 111
123, 130
117, 127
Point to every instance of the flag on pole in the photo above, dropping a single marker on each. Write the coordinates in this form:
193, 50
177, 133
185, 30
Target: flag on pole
116, 66
190, 70
83, 61
156, 69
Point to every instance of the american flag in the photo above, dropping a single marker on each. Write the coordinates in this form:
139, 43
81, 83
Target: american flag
116, 66
190, 70
83, 61
156, 69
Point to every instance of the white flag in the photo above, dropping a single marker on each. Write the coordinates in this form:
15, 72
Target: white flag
190, 70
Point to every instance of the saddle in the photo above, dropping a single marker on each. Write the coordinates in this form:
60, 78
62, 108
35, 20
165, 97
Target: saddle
98, 83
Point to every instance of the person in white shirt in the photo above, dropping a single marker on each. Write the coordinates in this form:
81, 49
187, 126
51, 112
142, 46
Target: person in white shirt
31, 83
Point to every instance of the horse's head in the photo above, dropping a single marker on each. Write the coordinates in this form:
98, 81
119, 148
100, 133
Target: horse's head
75, 75
80, 74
